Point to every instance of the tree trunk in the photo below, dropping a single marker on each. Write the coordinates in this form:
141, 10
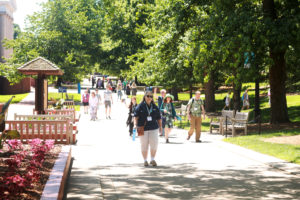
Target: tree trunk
256, 108
279, 112
174, 92
135, 80
191, 90
210, 95
237, 96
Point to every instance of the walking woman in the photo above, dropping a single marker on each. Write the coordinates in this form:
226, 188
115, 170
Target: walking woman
119, 90
85, 101
168, 109
93, 102
128, 89
130, 118
133, 89
147, 115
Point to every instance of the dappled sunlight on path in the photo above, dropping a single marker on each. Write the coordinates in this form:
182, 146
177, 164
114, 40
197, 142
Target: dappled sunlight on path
108, 165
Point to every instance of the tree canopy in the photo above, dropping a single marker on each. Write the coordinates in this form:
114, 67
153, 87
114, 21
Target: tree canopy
174, 43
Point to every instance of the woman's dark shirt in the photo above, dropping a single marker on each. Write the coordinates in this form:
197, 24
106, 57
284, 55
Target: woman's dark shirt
142, 113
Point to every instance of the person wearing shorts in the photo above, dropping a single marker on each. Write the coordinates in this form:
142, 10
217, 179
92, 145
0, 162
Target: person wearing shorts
227, 101
108, 101
119, 90
168, 109
85, 101
99, 101
147, 114
245, 99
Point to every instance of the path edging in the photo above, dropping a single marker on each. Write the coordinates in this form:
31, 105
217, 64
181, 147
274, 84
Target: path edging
54, 188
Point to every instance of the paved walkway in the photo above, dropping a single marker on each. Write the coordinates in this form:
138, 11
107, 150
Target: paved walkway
107, 164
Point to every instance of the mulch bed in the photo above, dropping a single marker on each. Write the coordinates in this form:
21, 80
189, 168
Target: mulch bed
37, 190
273, 127
294, 140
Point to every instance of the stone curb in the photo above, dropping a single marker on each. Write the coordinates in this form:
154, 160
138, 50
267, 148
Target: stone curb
271, 161
54, 188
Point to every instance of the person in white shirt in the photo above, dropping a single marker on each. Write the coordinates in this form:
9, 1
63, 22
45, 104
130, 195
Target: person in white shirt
108, 101
227, 101
93, 103
99, 101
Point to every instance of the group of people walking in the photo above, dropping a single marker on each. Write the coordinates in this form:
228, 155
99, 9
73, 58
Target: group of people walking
245, 101
99, 82
93, 101
152, 120
128, 88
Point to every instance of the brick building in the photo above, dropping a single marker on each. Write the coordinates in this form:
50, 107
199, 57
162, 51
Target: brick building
7, 8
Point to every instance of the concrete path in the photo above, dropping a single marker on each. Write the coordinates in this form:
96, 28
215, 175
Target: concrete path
108, 165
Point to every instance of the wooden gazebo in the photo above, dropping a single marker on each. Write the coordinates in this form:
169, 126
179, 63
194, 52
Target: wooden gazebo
42, 68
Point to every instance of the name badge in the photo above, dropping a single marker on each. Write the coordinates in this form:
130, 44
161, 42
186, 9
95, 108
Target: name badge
149, 118
195, 108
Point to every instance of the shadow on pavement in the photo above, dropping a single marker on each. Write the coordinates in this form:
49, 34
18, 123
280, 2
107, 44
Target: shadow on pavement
186, 181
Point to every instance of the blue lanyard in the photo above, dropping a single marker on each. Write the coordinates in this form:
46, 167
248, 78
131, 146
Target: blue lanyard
149, 111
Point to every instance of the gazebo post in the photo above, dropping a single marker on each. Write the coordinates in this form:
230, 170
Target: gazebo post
42, 68
41, 94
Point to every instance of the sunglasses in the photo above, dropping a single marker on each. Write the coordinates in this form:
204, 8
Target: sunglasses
149, 96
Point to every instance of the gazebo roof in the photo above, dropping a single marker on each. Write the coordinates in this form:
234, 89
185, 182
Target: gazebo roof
40, 66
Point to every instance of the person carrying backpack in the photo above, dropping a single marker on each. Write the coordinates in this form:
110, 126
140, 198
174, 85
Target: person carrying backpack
195, 109
227, 101
245, 99
168, 109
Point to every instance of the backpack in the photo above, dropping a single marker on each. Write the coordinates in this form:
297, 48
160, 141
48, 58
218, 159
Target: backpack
190, 105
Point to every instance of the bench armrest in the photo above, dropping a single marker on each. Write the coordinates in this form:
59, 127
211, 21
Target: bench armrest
239, 120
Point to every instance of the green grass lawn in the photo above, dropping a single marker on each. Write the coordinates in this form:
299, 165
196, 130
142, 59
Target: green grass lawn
293, 103
17, 99
288, 152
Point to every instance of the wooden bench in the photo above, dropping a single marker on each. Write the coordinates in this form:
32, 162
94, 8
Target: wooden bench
221, 121
67, 104
240, 121
62, 112
43, 117
59, 130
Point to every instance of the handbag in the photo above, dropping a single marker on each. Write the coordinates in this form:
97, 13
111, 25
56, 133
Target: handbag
140, 130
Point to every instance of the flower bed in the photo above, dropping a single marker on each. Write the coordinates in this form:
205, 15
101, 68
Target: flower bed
24, 169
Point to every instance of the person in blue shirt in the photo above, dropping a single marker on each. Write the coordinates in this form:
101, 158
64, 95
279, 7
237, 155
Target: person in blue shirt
168, 109
147, 114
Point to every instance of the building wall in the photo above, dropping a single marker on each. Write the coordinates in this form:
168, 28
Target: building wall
22, 87
7, 9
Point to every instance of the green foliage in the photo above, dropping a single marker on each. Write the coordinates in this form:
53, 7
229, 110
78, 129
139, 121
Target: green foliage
283, 151
65, 32
8, 135
119, 39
